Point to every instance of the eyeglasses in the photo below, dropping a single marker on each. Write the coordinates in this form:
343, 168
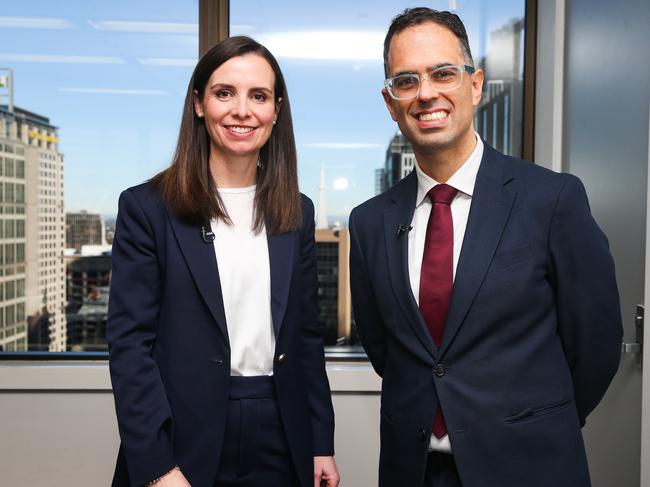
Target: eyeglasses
445, 78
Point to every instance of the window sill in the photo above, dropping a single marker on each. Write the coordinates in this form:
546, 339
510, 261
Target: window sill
92, 376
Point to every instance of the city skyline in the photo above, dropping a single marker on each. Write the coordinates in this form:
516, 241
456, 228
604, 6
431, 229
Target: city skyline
114, 86
94, 118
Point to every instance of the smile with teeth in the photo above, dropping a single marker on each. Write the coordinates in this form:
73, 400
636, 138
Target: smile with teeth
426, 117
239, 129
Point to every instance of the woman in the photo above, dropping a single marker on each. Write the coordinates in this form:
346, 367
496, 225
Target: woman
216, 360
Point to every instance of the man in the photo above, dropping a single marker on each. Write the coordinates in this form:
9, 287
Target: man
484, 292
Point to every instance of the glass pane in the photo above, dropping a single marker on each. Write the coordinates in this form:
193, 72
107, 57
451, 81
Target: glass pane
348, 146
90, 103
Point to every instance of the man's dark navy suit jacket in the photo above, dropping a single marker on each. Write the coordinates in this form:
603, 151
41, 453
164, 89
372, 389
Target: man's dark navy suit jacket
169, 349
532, 339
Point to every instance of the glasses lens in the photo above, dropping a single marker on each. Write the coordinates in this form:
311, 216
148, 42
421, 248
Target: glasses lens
446, 78
404, 86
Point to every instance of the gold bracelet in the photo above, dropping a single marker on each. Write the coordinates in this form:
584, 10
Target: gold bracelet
156, 480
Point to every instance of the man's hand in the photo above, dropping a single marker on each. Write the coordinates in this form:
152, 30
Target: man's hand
325, 472
173, 478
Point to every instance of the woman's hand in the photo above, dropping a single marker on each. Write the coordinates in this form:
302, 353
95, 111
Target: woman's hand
325, 472
173, 478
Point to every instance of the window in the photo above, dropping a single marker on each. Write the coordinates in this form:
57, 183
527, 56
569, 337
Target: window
117, 59
116, 79
9, 254
20, 253
9, 229
9, 167
9, 196
10, 315
9, 290
331, 56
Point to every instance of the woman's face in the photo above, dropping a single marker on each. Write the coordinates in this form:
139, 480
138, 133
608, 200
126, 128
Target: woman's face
238, 106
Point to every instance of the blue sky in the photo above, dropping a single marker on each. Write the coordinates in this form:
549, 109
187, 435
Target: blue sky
112, 76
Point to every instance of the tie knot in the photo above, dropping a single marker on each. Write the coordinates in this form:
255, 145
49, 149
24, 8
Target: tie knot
442, 193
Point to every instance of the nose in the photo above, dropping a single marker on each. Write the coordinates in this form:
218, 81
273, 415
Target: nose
240, 108
427, 90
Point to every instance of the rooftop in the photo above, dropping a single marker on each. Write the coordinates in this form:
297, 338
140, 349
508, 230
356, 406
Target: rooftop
28, 116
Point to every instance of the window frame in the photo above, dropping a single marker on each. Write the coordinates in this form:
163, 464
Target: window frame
214, 24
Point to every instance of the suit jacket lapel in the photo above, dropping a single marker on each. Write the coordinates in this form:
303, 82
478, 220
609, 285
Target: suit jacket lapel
492, 203
281, 264
202, 262
401, 213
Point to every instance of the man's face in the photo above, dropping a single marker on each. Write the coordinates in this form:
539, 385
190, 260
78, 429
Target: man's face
433, 121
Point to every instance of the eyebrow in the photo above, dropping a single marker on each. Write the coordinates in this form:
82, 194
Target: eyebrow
226, 85
430, 68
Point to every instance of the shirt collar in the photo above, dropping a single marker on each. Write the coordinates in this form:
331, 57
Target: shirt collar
463, 179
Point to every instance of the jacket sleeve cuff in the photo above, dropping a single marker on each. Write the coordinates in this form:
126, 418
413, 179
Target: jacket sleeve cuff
324, 447
148, 468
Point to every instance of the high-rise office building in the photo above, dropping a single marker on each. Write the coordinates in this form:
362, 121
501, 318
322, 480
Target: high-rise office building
498, 118
400, 161
83, 228
13, 264
33, 272
380, 180
334, 302
109, 230
88, 279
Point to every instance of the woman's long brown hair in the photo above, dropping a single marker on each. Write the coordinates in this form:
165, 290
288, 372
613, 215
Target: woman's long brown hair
187, 186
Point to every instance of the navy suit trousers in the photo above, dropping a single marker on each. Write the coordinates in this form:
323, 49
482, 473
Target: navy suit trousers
441, 471
255, 451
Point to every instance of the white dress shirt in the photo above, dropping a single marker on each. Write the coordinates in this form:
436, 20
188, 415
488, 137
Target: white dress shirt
463, 180
245, 276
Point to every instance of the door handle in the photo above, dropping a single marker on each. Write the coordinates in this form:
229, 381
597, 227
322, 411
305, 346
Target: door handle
636, 347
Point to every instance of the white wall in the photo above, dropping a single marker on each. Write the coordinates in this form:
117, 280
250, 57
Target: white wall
58, 424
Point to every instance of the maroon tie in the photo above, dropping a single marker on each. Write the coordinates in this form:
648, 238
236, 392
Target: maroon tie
437, 273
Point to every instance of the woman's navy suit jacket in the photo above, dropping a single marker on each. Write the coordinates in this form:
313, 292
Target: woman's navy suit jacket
169, 349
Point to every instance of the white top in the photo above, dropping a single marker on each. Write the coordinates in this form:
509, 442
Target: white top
463, 180
245, 276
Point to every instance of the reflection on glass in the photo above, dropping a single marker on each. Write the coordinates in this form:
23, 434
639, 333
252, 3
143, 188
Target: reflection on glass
89, 97
348, 146
499, 116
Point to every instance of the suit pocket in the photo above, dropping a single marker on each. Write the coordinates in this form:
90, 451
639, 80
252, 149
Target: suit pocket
508, 258
539, 411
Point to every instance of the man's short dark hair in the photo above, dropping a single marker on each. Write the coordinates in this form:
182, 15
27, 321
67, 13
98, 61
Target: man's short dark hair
420, 15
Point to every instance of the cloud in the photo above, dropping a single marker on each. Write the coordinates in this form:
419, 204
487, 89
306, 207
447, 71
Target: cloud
339, 45
59, 58
342, 145
145, 27
165, 61
113, 91
239, 29
341, 183
35, 23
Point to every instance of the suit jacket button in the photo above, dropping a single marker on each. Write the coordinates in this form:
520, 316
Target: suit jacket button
281, 358
422, 434
439, 370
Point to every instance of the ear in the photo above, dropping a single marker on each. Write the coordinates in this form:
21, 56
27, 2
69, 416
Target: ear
389, 104
278, 105
477, 86
198, 106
